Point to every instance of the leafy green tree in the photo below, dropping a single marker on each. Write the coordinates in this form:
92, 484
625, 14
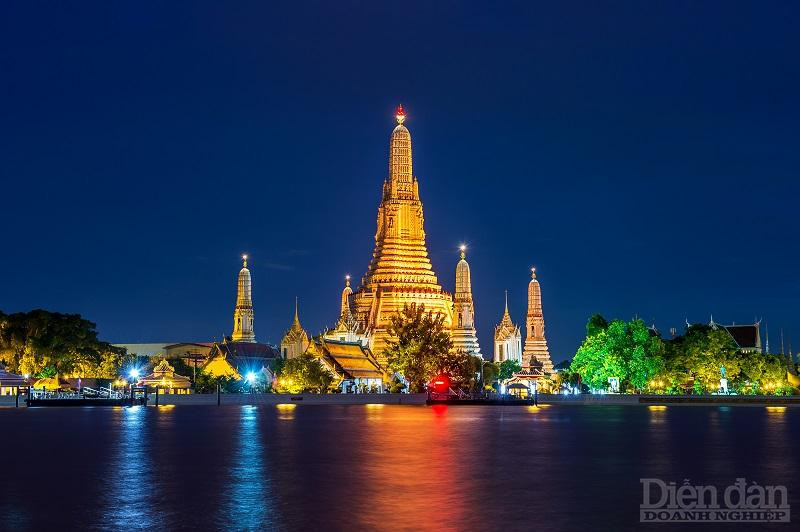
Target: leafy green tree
595, 325
304, 374
419, 339
507, 369
695, 360
66, 343
567, 380
207, 383
624, 350
490, 373
463, 369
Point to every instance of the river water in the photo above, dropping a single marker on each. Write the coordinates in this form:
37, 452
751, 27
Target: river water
385, 467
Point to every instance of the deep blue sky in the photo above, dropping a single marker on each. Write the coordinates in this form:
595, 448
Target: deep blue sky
644, 155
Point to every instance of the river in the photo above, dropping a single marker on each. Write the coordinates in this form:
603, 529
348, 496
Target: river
386, 467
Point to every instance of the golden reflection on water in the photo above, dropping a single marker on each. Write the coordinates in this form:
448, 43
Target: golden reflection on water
286, 411
374, 411
772, 410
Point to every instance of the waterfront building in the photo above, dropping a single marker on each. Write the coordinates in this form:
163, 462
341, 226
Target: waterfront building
296, 340
747, 337
10, 382
165, 379
400, 272
236, 359
535, 354
507, 339
463, 335
243, 312
354, 367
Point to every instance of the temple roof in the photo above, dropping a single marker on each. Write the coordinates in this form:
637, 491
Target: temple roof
350, 360
10, 379
164, 374
506, 327
745, 336
234, 358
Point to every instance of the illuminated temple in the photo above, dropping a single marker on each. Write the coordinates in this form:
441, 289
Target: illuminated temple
535, 353
400, 272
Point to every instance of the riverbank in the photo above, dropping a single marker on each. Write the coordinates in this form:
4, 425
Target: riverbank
227, 399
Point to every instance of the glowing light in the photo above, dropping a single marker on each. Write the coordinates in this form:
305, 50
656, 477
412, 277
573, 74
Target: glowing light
400, 114
286, 406
134, 373
657, 408
251, 377
374, 405
776, 409
27, 376
462, 247
244, 257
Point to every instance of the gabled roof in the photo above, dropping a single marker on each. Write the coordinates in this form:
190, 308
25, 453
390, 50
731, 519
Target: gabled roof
245, 349
235, 358
745, 336
10, 379
350, 360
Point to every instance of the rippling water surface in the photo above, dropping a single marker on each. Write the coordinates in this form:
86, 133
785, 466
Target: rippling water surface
307, 467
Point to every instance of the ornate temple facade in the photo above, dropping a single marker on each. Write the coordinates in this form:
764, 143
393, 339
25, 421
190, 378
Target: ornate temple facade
535, 353
463, 335
400, 272
296, 340
243, 313
507, 339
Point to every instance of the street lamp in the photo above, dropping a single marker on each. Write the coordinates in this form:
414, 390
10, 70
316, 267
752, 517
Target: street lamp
134, 375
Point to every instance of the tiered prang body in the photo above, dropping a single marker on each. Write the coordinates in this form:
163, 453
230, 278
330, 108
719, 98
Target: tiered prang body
400, 272
535, 353
464, 335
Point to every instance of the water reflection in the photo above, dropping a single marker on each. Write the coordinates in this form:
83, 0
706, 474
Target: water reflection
126, 502
286, 411
249, 504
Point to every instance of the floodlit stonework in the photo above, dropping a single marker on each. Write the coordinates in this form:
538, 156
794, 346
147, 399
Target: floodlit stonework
243, 313
463, 334
507, 339
296, 340
400, 272
535, 353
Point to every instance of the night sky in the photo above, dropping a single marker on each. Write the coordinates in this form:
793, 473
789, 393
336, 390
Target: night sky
643, 155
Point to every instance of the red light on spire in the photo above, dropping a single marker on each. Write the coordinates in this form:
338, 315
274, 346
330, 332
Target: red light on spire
400, 114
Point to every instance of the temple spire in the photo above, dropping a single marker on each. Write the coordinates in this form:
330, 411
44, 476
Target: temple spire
243, 312
536, 352
464, 335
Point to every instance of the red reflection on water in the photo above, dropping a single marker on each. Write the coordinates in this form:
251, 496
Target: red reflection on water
413, 475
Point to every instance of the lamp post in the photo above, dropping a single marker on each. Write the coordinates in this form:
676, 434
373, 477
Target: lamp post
134, 375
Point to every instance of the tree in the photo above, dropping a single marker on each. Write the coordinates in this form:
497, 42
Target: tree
42, 341
490, 373
624, 350
695, 360
419, 339
303, 374
507, 369
461, 367
595, 325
